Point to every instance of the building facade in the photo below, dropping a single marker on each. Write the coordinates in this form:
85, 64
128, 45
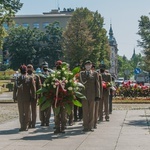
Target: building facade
113, 54
43, 20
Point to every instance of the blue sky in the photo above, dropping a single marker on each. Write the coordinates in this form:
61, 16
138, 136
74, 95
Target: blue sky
123, 14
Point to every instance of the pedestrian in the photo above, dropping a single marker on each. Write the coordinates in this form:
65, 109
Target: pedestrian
33, 104
24, 92
106, 82
44, 114
90, 79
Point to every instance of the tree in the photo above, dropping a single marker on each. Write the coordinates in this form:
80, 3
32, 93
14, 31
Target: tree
124, 65
85, 38
52, 39
144, 43
8, 8
101, 50
77, 37
23, 46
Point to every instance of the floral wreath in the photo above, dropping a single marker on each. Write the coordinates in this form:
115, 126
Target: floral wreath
61, 89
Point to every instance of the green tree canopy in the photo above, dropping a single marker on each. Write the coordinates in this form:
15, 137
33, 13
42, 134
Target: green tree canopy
144, 43
23, 46
84, 37
8, 8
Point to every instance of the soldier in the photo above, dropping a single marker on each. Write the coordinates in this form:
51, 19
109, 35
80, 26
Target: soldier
37, 81
90, 79
97, 100
61, 117
44, 114
24, 92
106, 79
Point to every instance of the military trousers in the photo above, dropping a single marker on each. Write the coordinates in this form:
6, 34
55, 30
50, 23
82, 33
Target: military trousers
33, 114
88, 107
24, 111
96, 113
61, 119
45, 115
104, 103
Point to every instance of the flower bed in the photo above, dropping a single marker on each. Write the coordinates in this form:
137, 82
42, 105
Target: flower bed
130, 89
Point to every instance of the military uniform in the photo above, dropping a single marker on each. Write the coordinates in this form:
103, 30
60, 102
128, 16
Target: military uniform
24, 92
34, 103
91, 82
106, 77
61, 117
44, 114
97, 103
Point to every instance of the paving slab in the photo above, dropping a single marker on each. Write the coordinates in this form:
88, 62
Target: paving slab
126, 130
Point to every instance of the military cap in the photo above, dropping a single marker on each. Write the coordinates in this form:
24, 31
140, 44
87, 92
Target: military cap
30, 66
45, 64
23, 68
88, 62
102, 66
58, 63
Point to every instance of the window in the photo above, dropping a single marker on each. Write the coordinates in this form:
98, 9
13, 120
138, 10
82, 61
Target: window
5, 26
45, 24
36, 25
25, 25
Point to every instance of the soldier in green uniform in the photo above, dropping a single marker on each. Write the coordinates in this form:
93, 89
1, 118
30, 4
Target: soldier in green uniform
24, 92
44, 114
90, 79
106, 79
61, 117
37, 81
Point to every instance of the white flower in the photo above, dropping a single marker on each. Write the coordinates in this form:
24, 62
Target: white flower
63, 69
66, 81
77, 88
65, 72
52, 83
70, 80
63, 78
52, 75
70, 88
54, 86
58, 72
71, 73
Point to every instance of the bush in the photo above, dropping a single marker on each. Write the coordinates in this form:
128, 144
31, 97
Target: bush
10, 86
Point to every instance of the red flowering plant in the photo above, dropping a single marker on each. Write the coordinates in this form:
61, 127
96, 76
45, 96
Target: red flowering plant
61, 89
106, 85
130, 89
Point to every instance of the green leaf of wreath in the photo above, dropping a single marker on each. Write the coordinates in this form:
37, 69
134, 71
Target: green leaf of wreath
76, 70
77, 103
41, 90
80, 95
41, 100
45, 105
68, 108
57, 110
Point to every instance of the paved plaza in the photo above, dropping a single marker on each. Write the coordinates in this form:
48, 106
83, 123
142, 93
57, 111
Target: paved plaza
128, 129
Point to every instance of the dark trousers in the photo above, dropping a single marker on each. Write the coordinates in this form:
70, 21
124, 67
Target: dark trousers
77, 113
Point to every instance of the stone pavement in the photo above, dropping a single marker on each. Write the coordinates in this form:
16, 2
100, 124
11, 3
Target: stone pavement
127, 130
